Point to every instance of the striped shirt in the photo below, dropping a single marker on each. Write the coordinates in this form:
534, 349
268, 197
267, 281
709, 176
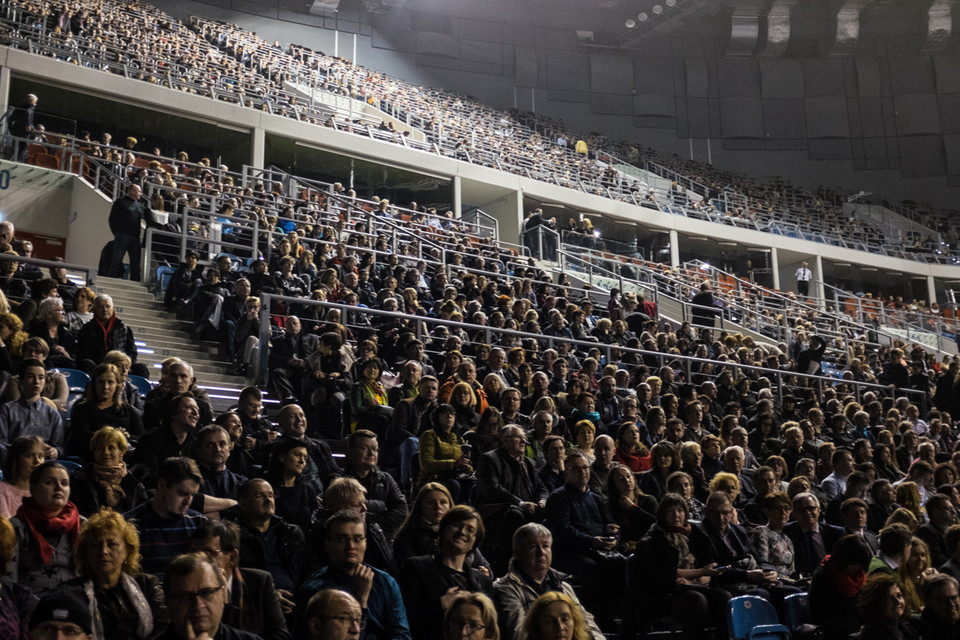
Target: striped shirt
162, 539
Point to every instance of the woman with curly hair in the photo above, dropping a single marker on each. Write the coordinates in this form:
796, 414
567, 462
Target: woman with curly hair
16, 601
12, 337
883, 609
124, 603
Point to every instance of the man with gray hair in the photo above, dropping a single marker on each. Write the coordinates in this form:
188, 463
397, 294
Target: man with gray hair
105, 332
530, 576
733, 461
508, 488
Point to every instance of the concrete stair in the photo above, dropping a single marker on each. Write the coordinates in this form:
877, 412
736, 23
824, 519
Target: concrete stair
160, 335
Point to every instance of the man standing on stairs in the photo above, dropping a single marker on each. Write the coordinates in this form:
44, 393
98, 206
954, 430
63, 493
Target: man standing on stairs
804, 275
125, 217
105, 332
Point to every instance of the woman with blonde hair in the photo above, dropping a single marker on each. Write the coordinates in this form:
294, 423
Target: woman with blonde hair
905, 517
105, 481
124, 603
16, 601
908, 497
913, 573
554, 616
464, 401
12, 337
472, 616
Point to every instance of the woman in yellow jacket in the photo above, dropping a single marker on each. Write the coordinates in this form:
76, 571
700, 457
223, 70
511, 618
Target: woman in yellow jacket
442, 458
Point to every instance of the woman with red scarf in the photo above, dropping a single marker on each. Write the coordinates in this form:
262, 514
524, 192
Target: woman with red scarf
836, 585
630, 451
47, 525
663, 579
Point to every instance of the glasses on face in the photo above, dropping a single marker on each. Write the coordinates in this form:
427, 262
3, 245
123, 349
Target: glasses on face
51, 630
187, 597
579, 468
347, 621
345, 539
469, 626
810, 508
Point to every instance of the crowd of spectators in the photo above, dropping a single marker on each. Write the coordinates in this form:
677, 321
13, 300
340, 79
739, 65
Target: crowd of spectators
517, 416
494, 416
231, 64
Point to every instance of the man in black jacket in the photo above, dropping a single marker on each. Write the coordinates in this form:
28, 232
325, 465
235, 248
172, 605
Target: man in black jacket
268, 542
410, 417
812, 539
288, 358
105, 332
386, 505
717, 540
125, 217
253, 603
321, 467
509, 490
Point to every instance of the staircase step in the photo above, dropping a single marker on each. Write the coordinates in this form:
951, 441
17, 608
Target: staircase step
160, 335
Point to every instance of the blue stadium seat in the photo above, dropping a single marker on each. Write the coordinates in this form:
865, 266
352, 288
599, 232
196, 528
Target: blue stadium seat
796, 610
753, 618
77, 380
70, 465
164, 274
142, 384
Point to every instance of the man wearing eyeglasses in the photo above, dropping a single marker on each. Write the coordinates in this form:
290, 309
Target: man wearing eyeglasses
62, 614
940, 619
253, 603
378, 594
195, 590
812, 539
334, 615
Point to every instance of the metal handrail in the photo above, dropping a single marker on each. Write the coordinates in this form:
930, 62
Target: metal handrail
687, 361
91, 272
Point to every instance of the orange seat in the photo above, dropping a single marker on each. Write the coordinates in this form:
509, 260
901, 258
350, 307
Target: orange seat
46, 160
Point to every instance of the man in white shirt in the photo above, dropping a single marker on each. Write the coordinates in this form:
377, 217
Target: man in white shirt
804, 275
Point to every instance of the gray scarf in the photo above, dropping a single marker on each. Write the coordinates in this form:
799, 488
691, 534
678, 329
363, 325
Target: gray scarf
144, 615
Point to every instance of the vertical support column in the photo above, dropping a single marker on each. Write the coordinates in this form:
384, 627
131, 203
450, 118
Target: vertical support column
258, 147
775, 267
457, 198
4, 89
931, 289
674, 248
818, 274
